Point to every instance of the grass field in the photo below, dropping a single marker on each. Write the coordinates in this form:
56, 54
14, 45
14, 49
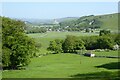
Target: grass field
66, 65
63, 66
109, 22
59, 34
104, 53
45, 38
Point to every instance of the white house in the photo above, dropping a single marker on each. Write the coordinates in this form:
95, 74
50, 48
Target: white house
116, 47
89, 54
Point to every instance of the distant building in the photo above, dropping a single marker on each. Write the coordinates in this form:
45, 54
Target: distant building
89, 54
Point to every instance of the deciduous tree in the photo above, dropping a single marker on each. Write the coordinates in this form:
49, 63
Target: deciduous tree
17, 47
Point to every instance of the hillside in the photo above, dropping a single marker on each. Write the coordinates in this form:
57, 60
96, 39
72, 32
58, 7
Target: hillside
47, 21
108, 21
67, 19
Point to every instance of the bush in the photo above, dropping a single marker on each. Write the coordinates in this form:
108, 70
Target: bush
104, 32
105, 42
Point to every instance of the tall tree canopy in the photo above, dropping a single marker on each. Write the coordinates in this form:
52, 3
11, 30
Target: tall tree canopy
56, 46
17, 47
72, 43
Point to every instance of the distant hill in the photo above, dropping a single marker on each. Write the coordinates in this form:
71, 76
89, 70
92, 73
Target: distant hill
107, 21
67, 19
48, 21
38, 21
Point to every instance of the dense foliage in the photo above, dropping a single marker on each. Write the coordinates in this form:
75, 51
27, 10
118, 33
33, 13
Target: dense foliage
117, 39
104, 32
105, 42
72, 43
56, 46
30, 29
90, 42
17, 47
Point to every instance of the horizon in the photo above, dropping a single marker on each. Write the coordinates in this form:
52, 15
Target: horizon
56, 10
61, 17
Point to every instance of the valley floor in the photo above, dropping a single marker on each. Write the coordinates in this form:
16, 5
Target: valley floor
66, 66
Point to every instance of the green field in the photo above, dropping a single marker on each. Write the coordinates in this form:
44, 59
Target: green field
104, 53
60, 34
109, 21
64, 66
45, 38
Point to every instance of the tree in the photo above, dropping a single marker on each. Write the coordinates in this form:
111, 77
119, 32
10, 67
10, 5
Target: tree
104, 32
17, 47
72, 43
79, 44
117, 39
69, 44
55, 46
105, 42
90, 42
87, 30
6, 56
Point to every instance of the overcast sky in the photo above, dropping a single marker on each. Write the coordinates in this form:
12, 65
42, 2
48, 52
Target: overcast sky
51, 10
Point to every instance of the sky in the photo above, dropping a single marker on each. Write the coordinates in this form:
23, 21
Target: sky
59, 0
52, 10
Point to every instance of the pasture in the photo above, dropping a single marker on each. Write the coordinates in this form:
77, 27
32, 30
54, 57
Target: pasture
64, 66
59, 34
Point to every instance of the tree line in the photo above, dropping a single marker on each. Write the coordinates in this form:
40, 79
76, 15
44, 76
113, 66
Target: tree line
30, 29
72, 43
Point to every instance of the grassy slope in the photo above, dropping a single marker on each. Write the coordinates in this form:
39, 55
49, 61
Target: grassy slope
109, 21
61, 65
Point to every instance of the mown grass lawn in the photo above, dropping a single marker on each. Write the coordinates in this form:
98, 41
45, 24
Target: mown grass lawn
62, 66
106, 53
65, 65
